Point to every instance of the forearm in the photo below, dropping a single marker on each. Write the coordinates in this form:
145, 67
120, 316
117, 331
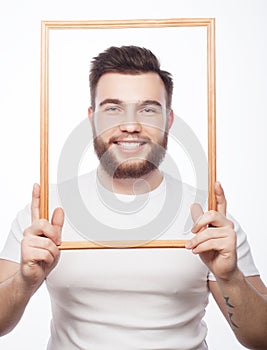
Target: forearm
14, 296
246, 311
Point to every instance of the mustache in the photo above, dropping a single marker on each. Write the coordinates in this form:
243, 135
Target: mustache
128, 137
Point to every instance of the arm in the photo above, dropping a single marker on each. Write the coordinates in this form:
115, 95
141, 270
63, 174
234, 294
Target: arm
14, 295
242, 300
39, 255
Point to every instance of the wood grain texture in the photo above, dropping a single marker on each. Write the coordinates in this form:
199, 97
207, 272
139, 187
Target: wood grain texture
122, 244
47, 26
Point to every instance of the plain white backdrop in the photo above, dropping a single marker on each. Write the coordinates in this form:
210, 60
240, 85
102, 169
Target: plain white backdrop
241, 31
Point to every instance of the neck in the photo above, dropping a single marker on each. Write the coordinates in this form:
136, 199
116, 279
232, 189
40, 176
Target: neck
141, 185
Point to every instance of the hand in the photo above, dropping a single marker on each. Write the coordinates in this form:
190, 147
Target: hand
215, 239
39, 251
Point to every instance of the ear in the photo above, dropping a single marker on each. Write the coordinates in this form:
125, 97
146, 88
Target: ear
170, 118
90, 115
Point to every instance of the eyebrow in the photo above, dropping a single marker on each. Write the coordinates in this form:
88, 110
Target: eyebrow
111, 100
150, 102
121, 103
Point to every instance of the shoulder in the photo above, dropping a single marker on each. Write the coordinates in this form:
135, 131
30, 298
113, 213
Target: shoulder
189, 193
70, 189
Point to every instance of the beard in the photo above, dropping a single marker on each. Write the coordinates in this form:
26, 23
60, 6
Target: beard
133, 168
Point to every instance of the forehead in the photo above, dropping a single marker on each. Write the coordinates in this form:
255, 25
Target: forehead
131, 88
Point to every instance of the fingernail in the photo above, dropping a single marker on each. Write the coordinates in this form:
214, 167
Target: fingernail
218, 184
188, 244
196, 222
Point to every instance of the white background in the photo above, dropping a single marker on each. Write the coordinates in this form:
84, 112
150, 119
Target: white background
70, 52
241, 30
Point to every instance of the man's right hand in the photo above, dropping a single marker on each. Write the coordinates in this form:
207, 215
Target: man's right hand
39, 251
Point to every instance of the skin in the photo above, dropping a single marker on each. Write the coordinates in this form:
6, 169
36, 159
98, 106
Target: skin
39, 255
236, 295
214, 240
130, 90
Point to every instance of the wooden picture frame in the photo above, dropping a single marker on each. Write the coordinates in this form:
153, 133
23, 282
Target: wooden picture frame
47, 27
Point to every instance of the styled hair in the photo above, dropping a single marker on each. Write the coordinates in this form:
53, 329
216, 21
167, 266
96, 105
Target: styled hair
127, 60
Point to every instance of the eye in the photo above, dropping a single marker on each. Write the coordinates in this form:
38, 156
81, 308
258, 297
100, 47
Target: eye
149, 111
112, 110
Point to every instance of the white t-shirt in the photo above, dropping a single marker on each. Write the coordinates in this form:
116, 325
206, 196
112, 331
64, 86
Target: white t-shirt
126, 299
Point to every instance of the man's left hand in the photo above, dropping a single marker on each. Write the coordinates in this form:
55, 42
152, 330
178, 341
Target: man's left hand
215, 238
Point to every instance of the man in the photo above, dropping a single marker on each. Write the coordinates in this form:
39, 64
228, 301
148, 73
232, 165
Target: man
132, 298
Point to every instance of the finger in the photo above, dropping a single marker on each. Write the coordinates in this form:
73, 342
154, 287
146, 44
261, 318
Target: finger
38, 254
220, 198
58, 221
35, 206
58, 217
40, 243
211, 218
196, 211
208, 234
42, 227
211, 245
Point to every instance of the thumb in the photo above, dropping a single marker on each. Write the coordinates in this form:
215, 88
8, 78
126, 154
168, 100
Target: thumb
58, 217
58, 221
220, 198
196, 211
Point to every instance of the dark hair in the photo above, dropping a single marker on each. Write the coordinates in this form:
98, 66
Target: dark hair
127, 60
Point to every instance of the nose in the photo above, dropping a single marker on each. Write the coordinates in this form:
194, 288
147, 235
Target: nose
130, 123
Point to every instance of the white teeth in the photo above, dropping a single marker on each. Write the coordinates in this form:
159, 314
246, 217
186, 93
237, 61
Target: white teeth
130, 145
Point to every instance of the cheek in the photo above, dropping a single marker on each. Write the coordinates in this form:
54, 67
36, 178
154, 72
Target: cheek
103, 127
105, 136
155, 125
155, 132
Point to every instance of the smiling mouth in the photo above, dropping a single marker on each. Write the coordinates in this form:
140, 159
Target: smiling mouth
130, 145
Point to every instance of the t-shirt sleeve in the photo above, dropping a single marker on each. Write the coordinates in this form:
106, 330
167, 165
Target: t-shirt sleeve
11, 250
245, 260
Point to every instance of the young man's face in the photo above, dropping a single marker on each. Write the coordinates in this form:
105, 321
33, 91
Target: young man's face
130, 123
